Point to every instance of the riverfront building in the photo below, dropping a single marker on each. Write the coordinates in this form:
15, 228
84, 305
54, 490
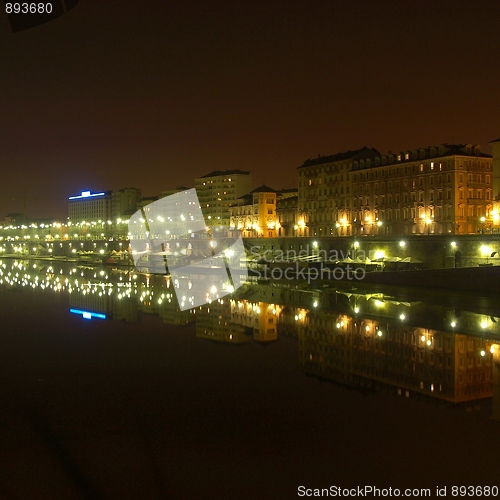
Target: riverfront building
219, 190
125, 202
444, 189
286, 212
89, 206
254, 214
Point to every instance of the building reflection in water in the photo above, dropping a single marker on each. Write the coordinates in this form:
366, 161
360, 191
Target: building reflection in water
360, 351
363, 341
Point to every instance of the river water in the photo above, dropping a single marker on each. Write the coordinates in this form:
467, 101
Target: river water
108, 390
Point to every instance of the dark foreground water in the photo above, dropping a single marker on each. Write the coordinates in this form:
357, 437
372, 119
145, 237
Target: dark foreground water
249, 398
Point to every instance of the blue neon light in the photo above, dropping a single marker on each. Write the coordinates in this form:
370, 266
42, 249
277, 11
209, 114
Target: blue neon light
88, 314
85, 194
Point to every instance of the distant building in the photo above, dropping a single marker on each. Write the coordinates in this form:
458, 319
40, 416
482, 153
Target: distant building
125, 202
90, 207
324, 193
15, 219
255, 213
219, 190
444, 189
287, 215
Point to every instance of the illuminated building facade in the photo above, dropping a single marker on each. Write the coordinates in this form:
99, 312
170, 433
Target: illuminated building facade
219, 190
255, 214
89, 206
446, 189
325, 193
286, 213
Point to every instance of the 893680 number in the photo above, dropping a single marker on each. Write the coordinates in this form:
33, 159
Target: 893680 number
474, 491
28, 8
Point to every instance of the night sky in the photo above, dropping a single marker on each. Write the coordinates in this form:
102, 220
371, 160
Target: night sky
153, 94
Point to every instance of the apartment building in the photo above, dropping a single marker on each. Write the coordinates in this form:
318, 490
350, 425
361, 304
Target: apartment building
125, 202
254, 214
88, 207
445, 189
219, 190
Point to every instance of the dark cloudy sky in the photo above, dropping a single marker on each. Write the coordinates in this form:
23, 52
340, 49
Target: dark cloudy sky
152, 94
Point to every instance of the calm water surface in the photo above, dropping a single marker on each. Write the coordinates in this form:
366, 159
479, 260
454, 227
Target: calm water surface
249, 397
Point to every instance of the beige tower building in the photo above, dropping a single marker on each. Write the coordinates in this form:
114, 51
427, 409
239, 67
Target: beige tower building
219, 190
255, 213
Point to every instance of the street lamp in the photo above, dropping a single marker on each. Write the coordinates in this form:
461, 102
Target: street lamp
495, 218
483, 222
487, 252
369, 223
354, 247
428, 222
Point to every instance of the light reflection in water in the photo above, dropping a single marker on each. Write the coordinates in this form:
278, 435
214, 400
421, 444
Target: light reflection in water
360, 340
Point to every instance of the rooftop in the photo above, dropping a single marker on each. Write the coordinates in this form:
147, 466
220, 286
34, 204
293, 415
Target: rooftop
364, 152
219, 173
264, 189
410, 155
